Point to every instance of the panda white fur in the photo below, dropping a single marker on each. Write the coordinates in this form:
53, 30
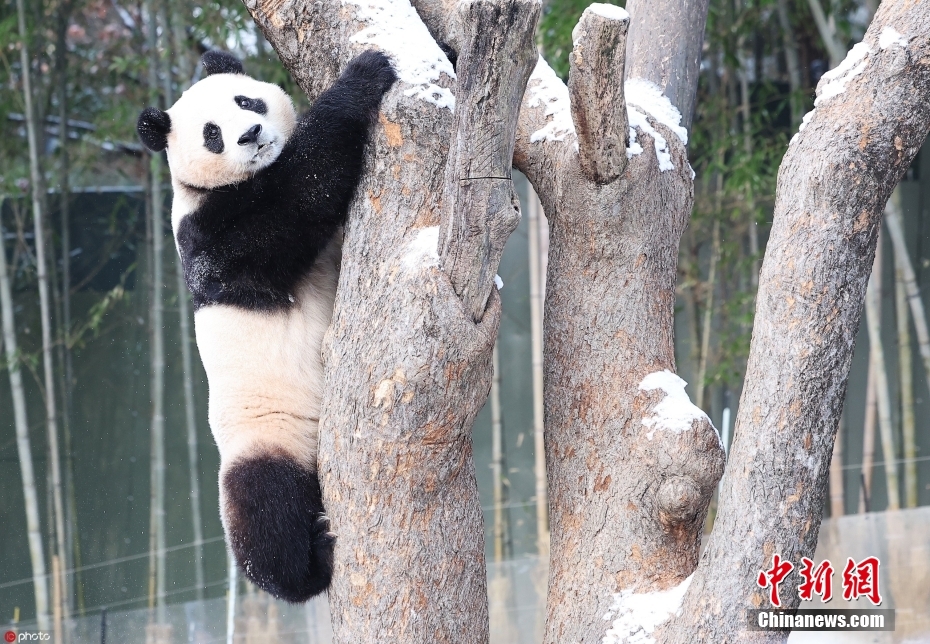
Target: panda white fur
260, 197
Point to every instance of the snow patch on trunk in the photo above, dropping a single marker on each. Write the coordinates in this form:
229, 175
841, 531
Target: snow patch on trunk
838, 77
645, 99
395, 28
423, 250
675, 412
609, 11
547, 90
636, 615
891, 37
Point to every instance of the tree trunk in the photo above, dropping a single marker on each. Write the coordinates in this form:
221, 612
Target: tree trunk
833, 185
23, 445
665, 45
408, 355
627, 500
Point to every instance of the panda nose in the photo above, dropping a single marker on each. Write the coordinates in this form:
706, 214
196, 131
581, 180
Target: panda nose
251, 135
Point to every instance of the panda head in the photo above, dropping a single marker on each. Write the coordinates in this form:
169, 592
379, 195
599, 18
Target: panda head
223, 129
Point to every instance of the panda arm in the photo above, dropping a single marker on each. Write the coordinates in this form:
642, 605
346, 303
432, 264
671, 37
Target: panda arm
322, 162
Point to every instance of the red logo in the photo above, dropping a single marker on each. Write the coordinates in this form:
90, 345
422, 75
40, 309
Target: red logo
774, 576
9, 636
861, 580
816, 582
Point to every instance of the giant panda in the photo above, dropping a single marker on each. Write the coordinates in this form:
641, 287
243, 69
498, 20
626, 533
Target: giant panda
260, 197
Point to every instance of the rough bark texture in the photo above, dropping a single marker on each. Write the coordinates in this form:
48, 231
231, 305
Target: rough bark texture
407, 369
484, 207
595, 87
666, 38
833, 185
626, 504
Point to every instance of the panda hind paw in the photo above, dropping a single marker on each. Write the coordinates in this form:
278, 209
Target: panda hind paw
276, 528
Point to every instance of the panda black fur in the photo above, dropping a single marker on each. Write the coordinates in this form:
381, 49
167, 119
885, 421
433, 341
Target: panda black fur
259, 201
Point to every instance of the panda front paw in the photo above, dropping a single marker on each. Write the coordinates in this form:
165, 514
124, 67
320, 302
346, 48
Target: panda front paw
276, 527
375, 70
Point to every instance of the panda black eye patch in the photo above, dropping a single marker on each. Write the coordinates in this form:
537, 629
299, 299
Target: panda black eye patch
256, 105
213, 138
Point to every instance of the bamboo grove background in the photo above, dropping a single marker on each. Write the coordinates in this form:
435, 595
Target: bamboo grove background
108, 494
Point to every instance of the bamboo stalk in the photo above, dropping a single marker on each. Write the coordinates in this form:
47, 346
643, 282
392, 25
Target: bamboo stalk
903, 264
187, 363
158, 337
43, 281
792, 62
233, 582
837, 506
23, 445
886, 432
868, 436
708, 316
827, 34
56, 598
536, 330
67, 364
905, 364
497, 459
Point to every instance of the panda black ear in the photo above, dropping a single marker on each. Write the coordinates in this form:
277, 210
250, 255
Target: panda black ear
221, 62
153, 127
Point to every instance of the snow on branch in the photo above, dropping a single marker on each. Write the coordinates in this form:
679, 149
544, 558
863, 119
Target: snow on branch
395, 28
675, 412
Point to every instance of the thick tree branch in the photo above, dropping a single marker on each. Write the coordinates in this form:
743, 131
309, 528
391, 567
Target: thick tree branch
872, 114
406, 367
628, 485
667, 52
495, 60
595, 87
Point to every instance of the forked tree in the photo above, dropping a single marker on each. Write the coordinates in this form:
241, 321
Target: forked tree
632, 464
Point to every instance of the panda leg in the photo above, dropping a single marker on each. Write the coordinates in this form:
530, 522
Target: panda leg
275, 526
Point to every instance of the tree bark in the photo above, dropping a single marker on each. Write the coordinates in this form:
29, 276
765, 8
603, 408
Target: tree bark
665, 44
627, 497
407, 366
628, 492
833, 185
